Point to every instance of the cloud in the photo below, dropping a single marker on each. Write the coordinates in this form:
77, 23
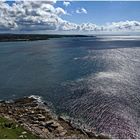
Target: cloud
66, 3
43, 15
123, 26
30, 15
114, 26
81, 11
68, 26
60, 11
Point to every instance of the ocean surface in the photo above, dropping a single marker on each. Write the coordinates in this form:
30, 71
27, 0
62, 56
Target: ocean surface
94, 80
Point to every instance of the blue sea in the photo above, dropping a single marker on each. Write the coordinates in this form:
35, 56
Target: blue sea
94, 80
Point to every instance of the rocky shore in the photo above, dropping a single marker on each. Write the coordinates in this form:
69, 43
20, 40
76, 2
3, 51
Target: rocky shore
37, 118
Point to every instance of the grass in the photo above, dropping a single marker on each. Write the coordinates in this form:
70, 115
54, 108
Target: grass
11, 130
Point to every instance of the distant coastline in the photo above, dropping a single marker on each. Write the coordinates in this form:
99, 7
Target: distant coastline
33, 37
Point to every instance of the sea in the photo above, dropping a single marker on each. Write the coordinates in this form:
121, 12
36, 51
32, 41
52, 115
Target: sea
93, 80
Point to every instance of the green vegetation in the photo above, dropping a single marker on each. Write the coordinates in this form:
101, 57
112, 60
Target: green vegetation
11, 130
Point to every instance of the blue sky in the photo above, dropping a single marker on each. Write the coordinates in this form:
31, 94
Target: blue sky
69, 16
103, 12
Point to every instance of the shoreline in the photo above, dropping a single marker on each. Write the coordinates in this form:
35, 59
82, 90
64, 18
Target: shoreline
34, 37
35, 116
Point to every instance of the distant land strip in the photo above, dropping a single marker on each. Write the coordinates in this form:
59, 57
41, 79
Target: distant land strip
33, 37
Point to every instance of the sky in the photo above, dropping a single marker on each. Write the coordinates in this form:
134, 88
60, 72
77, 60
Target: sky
52, 16
102, 12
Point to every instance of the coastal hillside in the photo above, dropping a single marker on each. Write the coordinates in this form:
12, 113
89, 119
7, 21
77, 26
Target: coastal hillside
27, 118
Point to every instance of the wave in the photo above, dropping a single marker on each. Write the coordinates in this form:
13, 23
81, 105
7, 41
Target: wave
103, 110
108, 100
39, 99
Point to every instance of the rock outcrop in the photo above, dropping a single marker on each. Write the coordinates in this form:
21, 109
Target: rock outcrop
37, 118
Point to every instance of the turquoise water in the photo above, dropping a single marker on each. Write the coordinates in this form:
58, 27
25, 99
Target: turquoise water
93, 79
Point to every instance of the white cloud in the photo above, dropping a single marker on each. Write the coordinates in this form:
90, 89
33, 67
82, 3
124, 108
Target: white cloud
67, 26
30, 15
81, 11
60, 11
66, 3
42, 15
124, 25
